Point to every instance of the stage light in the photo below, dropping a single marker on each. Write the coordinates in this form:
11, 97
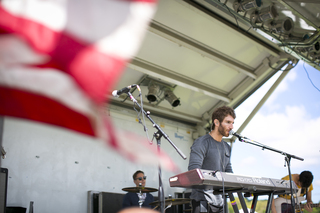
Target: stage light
171, 98
246, 5
282, 26
265, 14
312, 48
153, 91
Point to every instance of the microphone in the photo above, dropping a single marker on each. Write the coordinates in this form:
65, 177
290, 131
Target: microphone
127, 89
236, 134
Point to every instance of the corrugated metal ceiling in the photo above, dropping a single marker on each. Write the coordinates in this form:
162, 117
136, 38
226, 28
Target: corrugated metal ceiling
210, 55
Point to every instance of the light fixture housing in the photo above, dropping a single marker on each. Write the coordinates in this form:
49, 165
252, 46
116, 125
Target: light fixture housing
312, 48
246, 5
264, 15
153, 92
171, 98
282, 26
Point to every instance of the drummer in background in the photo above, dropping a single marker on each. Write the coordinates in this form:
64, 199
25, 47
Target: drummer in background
132, 198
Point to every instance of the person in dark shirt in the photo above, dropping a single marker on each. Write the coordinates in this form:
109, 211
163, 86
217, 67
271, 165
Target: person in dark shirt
210, 152
137, 198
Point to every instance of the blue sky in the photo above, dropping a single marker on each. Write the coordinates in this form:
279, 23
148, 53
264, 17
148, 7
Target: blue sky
289, 121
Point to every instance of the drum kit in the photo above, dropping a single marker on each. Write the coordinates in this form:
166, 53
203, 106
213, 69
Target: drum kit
168, 202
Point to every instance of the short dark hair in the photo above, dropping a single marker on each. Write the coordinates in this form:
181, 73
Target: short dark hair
222, 112
305, 179
136, 173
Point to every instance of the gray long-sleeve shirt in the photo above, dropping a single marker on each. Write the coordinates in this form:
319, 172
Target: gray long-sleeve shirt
209, 154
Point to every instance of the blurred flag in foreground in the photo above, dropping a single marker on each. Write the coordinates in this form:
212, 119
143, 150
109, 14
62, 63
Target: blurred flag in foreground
60, 58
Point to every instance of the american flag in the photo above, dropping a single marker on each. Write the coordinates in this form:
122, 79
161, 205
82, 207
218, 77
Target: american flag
60, 58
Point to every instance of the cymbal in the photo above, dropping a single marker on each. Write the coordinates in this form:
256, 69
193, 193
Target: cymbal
138, 189
172, 202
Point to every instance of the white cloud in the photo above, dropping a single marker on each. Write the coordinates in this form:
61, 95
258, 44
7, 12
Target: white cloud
249, 160
293, 132
316, 183
282, 87
254, 99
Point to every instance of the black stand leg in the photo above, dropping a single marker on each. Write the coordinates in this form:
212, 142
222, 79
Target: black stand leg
254, 204
270, 199
233, 203
288, 159
243, 203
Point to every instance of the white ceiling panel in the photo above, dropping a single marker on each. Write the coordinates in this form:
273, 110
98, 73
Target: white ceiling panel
208, 55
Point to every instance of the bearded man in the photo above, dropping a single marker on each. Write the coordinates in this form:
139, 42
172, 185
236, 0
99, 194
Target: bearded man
210, 152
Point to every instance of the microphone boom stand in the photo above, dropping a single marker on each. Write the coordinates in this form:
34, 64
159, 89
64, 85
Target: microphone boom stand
160, 133
287, 160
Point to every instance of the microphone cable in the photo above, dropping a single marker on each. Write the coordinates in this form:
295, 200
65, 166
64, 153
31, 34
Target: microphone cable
145, 128
309, 77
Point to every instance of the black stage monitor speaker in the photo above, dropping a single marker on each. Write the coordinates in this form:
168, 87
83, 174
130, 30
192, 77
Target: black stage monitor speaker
3, 189
110, 202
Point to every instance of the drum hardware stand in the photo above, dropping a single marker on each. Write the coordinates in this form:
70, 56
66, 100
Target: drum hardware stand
160, 133
140, 196
287, 160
